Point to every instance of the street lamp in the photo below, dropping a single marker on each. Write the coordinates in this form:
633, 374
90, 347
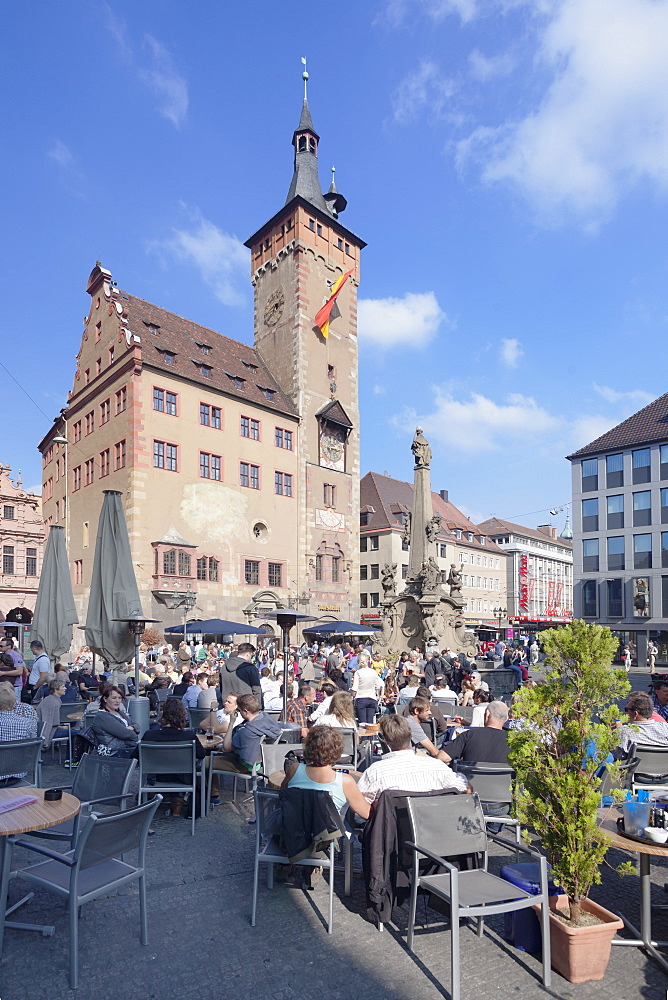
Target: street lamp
500, 613
138, 708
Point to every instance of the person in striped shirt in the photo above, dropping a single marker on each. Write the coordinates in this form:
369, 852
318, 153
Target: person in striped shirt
405, 770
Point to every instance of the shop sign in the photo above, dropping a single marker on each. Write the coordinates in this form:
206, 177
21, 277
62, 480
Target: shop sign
329, 607
524, 583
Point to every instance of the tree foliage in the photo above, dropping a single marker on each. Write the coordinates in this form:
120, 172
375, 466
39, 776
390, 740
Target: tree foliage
151, 637
568, 733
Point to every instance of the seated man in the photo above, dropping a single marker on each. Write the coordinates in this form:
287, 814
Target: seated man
489, 744
436, 710
220, 720
242, 743
190, 697
299, 708
13, 726
404, 770
660, 700
419, 710
641, 727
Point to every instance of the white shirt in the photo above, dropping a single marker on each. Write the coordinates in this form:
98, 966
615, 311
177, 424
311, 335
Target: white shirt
647, 732
322, 709
406, 771
367, 683
333, 722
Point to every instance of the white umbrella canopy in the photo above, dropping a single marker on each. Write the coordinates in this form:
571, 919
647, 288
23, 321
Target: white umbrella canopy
113, 587
55, 611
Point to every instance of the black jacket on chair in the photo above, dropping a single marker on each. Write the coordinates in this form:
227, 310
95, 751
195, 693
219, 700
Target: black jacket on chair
386, 865
310, 821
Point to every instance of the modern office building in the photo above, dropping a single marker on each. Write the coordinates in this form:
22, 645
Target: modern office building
620, 530
22, 539
384, 505
539, 570
238, 464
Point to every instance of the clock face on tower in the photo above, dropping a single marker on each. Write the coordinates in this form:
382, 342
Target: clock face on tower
274, 308
332, 448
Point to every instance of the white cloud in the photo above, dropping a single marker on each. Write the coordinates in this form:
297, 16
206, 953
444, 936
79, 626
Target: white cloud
221, 259
397, 10
588, 427
480, 424
485, 68
635, 397
412, 320
378, 390
511, 352
71, 174
423, 89
602, 124
166, 83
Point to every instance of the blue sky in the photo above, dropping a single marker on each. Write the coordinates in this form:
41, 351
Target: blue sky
505, 160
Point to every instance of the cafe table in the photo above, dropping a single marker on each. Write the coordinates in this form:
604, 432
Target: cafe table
641, 938
209, 744
35, 816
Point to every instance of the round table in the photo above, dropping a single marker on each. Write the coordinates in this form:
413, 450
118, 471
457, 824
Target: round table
209, 744
76, 716
643, 937
35, 816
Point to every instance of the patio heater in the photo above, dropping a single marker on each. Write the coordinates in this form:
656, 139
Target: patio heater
286, 619
138, 707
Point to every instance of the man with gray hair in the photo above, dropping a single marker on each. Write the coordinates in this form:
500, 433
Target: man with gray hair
489, 744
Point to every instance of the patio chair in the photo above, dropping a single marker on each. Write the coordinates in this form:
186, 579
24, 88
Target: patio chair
268, 851
68, 708
94, 868
452, 826
273, 757
429, 727
250, 778
197, 716
97, 780
465, 712
350, 748
493, 783
22, 757
651, 770
170, 760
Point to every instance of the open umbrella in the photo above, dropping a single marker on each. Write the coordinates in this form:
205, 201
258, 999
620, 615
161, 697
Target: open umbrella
216, 626
341, 628
113, 587
55, 612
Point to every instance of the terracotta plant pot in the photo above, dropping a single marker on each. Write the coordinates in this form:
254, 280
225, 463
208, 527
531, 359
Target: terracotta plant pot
581, 954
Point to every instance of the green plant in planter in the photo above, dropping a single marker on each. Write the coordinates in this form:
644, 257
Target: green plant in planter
560, 747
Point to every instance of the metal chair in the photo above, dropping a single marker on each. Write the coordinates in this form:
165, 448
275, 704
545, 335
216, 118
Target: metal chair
162, 694
170, 759
465, 712
94, 868
452, 826
271, 853
97, 780
250, 778
350, 747
651, 770
197, 716
68, 708
493, 784
22, 757
429, 727
273, 757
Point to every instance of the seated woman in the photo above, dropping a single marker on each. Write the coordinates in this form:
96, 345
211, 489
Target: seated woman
481, 700
174, 729
467, 692
409, 690
340, 713
323, 747
441, 690
390, 694
115, 735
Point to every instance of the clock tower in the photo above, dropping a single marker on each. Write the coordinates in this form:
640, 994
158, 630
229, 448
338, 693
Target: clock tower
304, 259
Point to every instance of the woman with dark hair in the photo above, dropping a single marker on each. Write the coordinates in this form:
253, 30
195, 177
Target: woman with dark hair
115, 735
337, 678
187, 678
323, 747
174, 729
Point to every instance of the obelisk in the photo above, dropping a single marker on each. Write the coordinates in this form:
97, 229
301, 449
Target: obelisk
423, 509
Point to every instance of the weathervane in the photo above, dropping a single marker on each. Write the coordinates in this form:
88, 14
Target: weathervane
304, 76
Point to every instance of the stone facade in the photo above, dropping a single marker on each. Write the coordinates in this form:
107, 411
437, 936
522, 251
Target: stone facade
239, 465
22, 532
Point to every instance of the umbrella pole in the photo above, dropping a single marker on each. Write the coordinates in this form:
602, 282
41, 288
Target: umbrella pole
285, 629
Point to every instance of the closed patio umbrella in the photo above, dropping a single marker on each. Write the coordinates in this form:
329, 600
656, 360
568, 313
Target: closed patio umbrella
55, 612
113, 587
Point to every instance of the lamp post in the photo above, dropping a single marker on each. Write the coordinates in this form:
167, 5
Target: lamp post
500, 613
138, 708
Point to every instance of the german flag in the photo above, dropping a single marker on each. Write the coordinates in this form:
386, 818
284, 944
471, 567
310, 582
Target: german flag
323, 315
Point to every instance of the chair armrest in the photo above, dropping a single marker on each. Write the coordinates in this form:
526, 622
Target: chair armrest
38, 849
511, 845
428, 854
108, 798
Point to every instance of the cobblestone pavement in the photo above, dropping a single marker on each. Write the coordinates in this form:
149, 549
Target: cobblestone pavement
201, 943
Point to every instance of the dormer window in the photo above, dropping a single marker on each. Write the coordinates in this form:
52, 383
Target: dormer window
205, 370
168, 357
204, 348
236, 380
248, 365
267, 393
152, 327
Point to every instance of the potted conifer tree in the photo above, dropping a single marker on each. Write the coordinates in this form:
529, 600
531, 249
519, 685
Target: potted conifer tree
568, 732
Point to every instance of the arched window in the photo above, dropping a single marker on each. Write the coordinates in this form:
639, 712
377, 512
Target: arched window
302, 144
312, 146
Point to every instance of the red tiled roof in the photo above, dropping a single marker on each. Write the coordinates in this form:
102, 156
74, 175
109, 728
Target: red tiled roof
228, 359
495, 526
647, 425
383, 493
